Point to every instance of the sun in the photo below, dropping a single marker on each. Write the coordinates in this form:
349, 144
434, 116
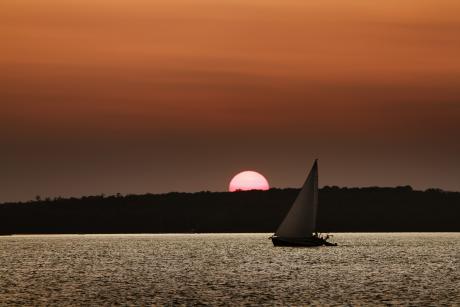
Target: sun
248, 180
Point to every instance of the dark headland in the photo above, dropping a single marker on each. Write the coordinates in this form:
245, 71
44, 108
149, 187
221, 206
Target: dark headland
372, 209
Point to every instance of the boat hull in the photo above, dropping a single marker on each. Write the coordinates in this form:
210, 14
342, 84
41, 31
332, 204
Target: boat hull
300, 242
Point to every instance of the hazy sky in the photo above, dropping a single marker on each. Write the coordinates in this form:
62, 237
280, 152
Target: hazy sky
107, 96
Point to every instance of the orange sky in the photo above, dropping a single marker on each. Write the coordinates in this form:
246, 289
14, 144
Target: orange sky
153, 96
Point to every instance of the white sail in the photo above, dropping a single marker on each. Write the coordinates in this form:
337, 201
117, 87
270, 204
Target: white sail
300, 221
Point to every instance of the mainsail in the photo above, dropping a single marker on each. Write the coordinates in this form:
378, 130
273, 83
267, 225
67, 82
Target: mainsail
300, 221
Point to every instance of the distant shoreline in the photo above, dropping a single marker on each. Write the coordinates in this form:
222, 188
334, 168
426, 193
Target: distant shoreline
399, 209
211, 233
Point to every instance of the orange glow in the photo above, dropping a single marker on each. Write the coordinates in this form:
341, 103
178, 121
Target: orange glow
160, 61
95, 86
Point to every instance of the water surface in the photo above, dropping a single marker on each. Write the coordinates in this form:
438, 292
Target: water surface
223, 269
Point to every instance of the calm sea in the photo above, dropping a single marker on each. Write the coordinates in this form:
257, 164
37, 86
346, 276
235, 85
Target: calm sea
229, 269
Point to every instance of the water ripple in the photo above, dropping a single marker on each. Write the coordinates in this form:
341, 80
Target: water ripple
229, 269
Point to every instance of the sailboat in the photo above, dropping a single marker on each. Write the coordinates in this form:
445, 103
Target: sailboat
299, 226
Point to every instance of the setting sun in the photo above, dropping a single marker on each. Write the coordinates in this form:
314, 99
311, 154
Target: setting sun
248, 180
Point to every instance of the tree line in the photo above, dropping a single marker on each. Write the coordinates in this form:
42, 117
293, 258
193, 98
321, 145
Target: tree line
371, 209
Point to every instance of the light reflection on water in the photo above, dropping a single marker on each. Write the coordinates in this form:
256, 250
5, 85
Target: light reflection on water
229, 269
